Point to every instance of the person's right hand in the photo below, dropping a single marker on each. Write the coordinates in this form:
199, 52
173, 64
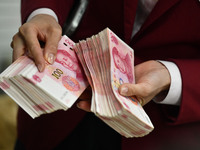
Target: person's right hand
42, 28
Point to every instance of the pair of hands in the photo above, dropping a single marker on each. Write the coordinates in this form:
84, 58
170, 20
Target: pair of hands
151, 76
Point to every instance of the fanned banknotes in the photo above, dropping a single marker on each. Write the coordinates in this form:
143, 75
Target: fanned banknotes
103, 60
108, 62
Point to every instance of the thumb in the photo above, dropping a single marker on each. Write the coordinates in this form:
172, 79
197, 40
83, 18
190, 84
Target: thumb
128, 89
132, 90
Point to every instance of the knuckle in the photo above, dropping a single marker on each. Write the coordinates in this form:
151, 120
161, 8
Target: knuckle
26, 28
15, 40
22, 29
15, 37
11, 44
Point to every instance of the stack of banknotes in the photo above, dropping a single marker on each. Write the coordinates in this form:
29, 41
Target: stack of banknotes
58, 87
102, 61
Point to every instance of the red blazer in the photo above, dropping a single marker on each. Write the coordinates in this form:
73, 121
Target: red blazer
171, 32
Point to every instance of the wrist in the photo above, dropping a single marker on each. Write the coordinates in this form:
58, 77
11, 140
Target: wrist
167, 78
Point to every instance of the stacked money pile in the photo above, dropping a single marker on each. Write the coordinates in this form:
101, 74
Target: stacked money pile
58, 87
107, 63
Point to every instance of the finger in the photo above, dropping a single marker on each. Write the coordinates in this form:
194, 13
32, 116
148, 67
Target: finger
128, 89
30, 36
84, 105
140, 100
51, 45
18, 46
139, 92
87, 94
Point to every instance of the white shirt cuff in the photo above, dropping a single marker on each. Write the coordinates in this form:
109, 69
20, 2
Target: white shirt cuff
174, 94
42, 11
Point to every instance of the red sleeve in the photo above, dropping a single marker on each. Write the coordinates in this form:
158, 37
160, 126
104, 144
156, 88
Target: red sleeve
61, 8
175, 37
190, 102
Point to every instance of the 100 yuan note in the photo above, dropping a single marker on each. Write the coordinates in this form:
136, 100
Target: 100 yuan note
122, 71
64, 80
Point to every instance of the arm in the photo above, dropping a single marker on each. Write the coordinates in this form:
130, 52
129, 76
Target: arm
190, 103
61, 8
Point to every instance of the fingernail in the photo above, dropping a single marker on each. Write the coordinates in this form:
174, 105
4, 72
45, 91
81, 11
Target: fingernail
51, 58
78, 105
39, 67
124, 90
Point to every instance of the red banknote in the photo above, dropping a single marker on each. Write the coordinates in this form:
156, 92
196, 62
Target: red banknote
109, 62
58, 87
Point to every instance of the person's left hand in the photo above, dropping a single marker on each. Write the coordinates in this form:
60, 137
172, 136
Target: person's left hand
151, 79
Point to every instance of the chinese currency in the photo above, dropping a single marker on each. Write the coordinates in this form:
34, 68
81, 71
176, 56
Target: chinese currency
108, 62
102, 61
58, 87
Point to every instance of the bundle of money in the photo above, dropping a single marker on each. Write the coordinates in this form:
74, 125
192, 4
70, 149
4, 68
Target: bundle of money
102, 61
58, 87
108, 62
